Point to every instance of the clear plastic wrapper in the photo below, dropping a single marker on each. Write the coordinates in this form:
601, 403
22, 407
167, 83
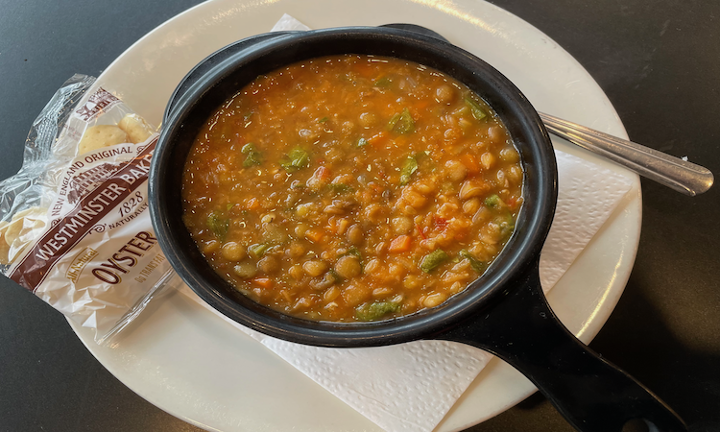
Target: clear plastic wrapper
74, 221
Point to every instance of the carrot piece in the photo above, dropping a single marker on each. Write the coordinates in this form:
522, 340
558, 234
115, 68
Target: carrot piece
252, 204
320, 178
471, 163
378, 140
400, 244
266, 283
314, 235
322, 173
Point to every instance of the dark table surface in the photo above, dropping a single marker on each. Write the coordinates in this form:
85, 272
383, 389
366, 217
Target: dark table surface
659, 63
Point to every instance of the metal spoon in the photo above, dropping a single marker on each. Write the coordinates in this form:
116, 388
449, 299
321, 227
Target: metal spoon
680, 175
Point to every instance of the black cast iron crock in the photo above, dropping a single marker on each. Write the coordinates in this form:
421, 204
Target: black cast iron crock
503, 312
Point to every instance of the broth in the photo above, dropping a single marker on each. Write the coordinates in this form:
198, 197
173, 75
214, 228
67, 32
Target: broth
352, 188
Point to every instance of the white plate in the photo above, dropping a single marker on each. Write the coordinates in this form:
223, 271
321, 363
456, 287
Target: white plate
187, 361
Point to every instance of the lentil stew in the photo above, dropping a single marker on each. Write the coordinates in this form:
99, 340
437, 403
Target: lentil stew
352, 188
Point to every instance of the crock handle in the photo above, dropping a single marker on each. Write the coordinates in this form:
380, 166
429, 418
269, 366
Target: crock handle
592, 394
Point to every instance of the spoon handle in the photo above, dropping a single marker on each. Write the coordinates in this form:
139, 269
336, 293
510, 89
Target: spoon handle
680, 175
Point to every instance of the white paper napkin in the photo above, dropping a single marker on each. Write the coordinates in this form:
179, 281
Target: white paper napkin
410, 387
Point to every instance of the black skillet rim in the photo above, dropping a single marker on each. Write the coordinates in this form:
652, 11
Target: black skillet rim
517, 258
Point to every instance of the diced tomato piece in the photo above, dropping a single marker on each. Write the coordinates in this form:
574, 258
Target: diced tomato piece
440, 223
471, 163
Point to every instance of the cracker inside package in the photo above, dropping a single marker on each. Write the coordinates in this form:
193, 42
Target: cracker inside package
75, 226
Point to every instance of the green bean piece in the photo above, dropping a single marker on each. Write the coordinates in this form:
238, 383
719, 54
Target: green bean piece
402, 122
323, 120
477, 111
383, 82
493, 201
476, 264
424, 161
410, 165
258, 250
507, 224
340, 188
254, 157
252, 160
376, 310
296, 159
218, 225
433, 260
